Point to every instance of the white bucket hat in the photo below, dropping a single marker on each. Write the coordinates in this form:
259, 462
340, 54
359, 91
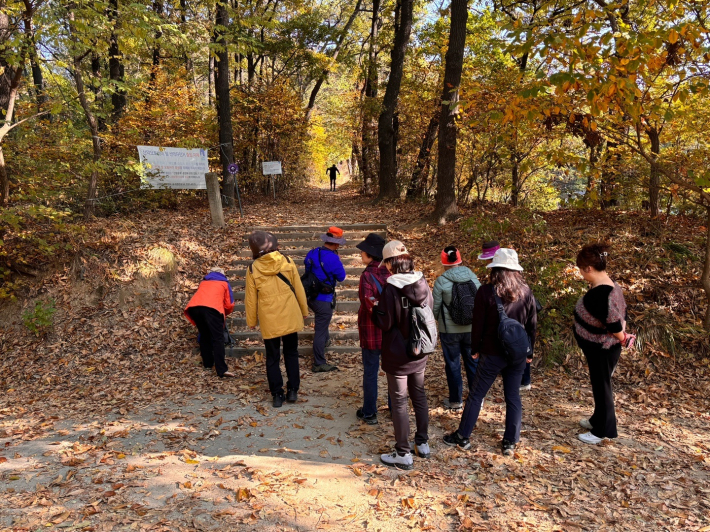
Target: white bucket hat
506, 258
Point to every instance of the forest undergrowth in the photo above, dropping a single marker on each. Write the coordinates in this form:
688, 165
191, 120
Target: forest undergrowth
108, 340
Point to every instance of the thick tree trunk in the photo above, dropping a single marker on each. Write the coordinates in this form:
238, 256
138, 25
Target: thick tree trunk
9, 87
224, 113
115, 65
37, 77
705, 277
385, 126
158, 8
339, 43
417, 185
654, 183
446, 183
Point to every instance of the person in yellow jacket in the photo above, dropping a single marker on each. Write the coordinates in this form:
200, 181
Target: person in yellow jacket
275, 296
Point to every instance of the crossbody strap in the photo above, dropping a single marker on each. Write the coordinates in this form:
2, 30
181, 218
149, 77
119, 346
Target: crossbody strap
327, 277
377, 283
285, 280
501, 311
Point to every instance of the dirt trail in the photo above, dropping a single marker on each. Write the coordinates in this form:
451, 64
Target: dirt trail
111, 425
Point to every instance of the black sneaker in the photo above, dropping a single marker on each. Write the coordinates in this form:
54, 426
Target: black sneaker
278, 400
292, 396
454, 439
370, 420
507, 448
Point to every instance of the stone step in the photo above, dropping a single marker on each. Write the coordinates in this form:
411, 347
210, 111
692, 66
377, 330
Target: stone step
349, 282
288, 245
315, 235
341, 294
342, 335
340, 306
349, 319
320, 228
349, 270
347, 261
303, 351
302, 252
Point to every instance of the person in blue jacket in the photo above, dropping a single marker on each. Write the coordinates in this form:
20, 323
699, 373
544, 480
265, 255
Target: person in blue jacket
325, 263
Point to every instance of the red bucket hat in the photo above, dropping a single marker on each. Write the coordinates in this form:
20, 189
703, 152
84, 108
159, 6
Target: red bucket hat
450, 256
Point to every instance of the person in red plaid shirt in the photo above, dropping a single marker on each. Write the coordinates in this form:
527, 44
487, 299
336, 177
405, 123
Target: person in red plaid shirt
372, 280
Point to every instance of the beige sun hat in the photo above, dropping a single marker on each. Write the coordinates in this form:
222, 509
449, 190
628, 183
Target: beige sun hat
393, 248
506, 258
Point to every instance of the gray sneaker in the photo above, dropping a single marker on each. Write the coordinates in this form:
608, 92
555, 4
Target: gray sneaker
324, 368
395, 460
456, 407
422, 451
585, 424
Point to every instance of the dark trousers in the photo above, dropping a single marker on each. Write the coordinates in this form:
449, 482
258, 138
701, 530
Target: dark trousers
489, 367
273, 363
210, 323
398, 386
332, 183
526, 375
323, 314
457, 346
371, 369
602, 363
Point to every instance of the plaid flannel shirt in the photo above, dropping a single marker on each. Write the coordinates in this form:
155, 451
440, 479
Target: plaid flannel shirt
370, 336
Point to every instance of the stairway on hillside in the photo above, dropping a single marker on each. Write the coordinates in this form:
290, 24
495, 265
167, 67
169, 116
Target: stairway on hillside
296, 241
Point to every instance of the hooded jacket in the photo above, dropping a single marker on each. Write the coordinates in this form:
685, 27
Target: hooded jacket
214, 292
370, 336
442, 298
270, 300
392, 315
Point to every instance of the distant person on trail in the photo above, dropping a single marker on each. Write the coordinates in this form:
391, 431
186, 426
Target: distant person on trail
405, 289
455, 332
372, 282
207, 310
489, 249
325, 264
506, 288
275, 295
332, 171
600, 331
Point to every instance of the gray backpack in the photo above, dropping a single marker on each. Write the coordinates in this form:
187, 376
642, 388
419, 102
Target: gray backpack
422, 330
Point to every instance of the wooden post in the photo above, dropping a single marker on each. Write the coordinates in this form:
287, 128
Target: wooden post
213, 196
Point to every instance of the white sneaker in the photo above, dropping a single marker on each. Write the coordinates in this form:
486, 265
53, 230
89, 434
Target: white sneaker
585, 424
422, 451
395, 460
590, 438
453, 406
525, 387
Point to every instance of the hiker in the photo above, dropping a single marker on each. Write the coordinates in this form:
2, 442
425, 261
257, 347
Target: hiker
600, 331
275, 295
487, 252
372, 282
332, 172
207, 310
327, 267
405, 288
454, 319
507, 288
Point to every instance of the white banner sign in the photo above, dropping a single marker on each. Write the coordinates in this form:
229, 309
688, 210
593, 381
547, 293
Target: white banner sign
174, 167
271, 167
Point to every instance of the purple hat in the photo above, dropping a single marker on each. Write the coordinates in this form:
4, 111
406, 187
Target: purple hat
489, 249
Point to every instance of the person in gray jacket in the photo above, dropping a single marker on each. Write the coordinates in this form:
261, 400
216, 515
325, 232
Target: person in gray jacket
455, 338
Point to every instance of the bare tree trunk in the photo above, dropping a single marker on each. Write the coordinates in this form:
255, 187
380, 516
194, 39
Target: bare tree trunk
515, 179
421, 169
654, 184
158, 8
368, 162
37, 77
115, 66
224, 113
210, 80
9, 87
321, 79
705, 277
385, 126
446, 183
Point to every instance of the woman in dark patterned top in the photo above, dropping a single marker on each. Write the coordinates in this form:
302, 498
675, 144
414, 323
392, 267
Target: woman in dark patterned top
600, 331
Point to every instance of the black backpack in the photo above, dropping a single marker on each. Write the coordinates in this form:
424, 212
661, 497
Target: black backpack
422, 330
460, 309
512, 335
314, 286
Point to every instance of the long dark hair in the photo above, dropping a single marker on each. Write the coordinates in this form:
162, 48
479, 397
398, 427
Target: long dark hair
508, 284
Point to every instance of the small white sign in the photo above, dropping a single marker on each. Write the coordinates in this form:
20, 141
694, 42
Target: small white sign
271, 167
174, 167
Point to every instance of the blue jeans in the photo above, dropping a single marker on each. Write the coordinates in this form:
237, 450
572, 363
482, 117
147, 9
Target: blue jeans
456, 346
371, 368
489, 367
